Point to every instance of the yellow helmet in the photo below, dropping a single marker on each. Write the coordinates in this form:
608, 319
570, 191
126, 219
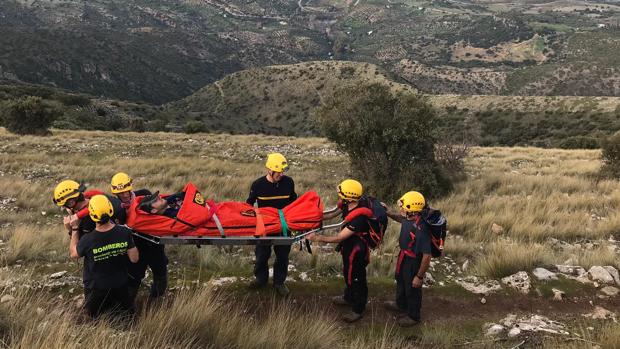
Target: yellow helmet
100, 206
66, 190
121, 182
350, 189
276, 162
412, 202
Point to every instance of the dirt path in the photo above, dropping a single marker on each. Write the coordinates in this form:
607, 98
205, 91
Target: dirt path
441, 309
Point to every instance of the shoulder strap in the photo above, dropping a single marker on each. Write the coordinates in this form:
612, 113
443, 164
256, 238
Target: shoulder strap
358, 211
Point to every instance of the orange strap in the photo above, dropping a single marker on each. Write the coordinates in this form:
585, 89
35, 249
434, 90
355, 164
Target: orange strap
260, 224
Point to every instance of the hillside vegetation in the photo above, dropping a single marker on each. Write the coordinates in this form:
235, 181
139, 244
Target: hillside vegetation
160, 51
281, 100
275, 100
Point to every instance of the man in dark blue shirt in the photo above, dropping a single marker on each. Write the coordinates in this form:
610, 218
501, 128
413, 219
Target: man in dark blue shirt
414, 257
273, 190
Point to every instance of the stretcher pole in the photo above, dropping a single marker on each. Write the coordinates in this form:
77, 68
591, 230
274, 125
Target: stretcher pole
232, 240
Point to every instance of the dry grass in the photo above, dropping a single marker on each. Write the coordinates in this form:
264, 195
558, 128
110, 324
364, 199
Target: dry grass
33, 243
534, 194
607, 337
194, 319
504, 258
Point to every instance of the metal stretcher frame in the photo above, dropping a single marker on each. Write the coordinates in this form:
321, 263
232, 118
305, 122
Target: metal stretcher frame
233, 240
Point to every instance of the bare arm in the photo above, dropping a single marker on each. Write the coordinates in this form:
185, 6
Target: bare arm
343, 235
73, 245
331, 214
133, 254
395, 216
419, 277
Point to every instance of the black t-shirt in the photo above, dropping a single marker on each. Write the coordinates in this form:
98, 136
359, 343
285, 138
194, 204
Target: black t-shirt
268, 194
105, 257
358, 225
421, 242
120, 217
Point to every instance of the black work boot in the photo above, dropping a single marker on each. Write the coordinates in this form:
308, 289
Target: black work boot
406, 321
352, 316
255, 284
282, 290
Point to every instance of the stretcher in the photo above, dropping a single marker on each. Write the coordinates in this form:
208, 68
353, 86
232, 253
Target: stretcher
203, 222
233, 240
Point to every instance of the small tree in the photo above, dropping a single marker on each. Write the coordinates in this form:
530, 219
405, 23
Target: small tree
195, 127
390, 139
29, 115
610, 156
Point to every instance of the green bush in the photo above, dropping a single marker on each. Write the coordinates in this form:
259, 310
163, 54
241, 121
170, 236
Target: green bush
389, 138
195, 127
137, 124
29, 115
579, 142
610, 156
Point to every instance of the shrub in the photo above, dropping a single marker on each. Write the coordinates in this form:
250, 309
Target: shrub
195, 127
137, 124
579, 142
610, 156
29, 115
73, 100
389, 138
157, 125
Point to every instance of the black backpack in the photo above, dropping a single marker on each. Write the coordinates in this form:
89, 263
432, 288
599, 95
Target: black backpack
438, 230
377, 222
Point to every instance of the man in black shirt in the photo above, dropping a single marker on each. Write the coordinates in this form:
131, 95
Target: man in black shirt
414, 257
151, 255
273, 190
71, 196
106, 251
354, 250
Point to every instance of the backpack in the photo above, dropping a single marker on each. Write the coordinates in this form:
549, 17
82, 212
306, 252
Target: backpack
377, 221
438, 230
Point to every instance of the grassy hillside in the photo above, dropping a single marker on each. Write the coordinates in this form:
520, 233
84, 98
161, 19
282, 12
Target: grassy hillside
280, 100
275, 100
547, 202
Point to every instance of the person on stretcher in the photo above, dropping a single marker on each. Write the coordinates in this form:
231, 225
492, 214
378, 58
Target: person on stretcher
168, 206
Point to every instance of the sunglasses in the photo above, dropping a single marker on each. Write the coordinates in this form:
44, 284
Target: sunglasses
121, 186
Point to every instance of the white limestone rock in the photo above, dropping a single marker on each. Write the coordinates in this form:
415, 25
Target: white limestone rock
601, 275
544, 274
519, 281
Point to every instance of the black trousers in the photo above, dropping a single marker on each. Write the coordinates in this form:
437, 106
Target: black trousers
115, 300
354, 262
280, 266
408, 298
151, 256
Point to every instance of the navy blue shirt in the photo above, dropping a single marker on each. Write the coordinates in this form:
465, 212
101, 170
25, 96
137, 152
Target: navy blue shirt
276, 195
174, 204
421, 239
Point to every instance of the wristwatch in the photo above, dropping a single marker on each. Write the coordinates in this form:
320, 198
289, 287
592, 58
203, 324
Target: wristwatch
419, 277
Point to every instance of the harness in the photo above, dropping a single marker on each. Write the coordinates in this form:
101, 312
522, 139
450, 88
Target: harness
356, 212
409, 251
